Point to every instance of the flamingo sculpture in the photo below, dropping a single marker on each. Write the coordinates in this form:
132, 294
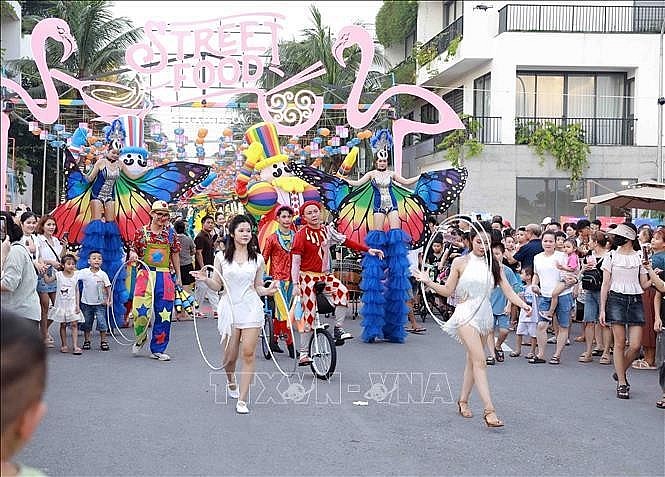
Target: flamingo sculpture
448, 119
58, 30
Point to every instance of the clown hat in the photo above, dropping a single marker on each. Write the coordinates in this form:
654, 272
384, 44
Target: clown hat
265, 134
126, 133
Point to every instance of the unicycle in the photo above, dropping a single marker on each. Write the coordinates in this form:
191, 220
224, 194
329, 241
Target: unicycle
321, 344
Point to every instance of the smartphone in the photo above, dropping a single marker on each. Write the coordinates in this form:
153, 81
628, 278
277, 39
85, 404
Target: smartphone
479, 217
646, 249
3, 227
65, 236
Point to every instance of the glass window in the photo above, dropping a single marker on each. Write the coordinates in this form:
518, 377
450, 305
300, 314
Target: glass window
525, 89
538, 198
429, 114
549, 96
580, 97
535, 200
481, 95
455, 99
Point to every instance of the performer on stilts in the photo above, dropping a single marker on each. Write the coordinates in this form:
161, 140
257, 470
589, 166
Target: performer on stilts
385, 285
277, 256
310, 256
104, 208
378, 211
157, 245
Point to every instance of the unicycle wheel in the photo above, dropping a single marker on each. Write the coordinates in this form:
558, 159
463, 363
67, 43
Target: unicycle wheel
323, 353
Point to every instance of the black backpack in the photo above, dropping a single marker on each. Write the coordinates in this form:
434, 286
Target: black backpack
592, 279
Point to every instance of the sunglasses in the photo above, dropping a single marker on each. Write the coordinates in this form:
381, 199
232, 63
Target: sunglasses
162, 214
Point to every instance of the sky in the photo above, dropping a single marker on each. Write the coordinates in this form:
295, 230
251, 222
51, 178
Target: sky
335, 14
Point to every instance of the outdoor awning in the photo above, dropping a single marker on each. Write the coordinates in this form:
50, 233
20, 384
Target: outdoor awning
644, 195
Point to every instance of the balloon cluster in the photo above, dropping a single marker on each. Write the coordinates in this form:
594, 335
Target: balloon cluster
200, 139
180, 141
325, 144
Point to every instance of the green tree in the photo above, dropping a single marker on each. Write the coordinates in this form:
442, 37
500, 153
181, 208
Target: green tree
102, 40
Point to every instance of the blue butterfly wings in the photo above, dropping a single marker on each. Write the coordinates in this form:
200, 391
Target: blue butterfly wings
439, 189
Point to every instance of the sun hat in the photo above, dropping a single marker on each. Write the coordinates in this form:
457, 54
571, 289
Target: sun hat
624, 231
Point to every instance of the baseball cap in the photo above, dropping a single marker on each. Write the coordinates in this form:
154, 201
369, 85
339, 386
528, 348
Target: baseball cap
159, 206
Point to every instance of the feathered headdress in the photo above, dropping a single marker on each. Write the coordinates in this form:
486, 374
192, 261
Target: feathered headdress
382, 139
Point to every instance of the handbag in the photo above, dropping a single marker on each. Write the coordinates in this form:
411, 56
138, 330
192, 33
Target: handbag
592, 280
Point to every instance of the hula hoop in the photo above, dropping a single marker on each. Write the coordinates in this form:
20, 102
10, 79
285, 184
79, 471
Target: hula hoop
151, 283
441, 228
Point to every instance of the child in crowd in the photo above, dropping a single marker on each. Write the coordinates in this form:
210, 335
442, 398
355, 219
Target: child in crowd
66, 309
94, 299
23, 370
527, 323
571, 267
500, 308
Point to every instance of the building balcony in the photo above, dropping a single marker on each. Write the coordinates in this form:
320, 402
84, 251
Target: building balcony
581, 18
597, 131
488, 132
440, 43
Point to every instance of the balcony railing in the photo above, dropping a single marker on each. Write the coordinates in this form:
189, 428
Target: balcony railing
597, 131
489, 132
581, 18
442, 40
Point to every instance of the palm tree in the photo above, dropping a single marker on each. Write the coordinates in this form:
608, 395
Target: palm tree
316, 45
102, 40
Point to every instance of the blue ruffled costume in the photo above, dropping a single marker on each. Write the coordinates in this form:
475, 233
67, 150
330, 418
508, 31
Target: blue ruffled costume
105, 237
385, 286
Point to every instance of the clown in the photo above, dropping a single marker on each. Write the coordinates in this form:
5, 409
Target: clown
277, 185
159, 247
310, 263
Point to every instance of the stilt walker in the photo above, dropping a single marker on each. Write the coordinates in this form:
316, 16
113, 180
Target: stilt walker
379, 211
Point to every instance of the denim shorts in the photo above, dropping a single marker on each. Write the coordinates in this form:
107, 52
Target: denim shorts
92, 312
591, 306
43, 286
563, 308
501, 321
624, 309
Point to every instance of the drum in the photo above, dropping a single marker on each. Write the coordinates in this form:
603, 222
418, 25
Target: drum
348, 272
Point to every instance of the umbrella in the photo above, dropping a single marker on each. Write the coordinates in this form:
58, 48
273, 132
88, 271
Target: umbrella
648, 195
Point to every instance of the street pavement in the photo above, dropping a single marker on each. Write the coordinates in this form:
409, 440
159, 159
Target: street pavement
110, 413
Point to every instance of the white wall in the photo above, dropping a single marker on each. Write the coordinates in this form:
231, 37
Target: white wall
430, 20
510, 51
492, 183
10, 39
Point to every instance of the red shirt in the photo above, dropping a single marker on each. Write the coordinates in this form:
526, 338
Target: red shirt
307, 244
280, 259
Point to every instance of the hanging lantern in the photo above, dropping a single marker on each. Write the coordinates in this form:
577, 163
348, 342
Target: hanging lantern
33, 125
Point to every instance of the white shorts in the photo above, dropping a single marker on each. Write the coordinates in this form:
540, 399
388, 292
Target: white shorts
526, 329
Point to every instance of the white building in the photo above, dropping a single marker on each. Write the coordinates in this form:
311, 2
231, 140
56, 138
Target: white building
525, 62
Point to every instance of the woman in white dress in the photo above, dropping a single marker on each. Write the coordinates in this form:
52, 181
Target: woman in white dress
472, 281
240, 308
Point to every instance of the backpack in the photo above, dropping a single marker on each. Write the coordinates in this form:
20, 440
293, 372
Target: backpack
592, 279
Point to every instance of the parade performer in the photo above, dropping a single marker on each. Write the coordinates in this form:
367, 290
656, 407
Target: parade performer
473, 277
106, 207
277, 185
310, 256
277, 255
378, 211
158, 246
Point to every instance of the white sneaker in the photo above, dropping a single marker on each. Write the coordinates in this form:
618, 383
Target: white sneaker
137, 347
160, 356
552, 340
232, 393
241, 407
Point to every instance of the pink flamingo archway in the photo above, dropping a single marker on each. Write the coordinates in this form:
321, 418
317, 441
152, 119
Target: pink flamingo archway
448, 119
58, 30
